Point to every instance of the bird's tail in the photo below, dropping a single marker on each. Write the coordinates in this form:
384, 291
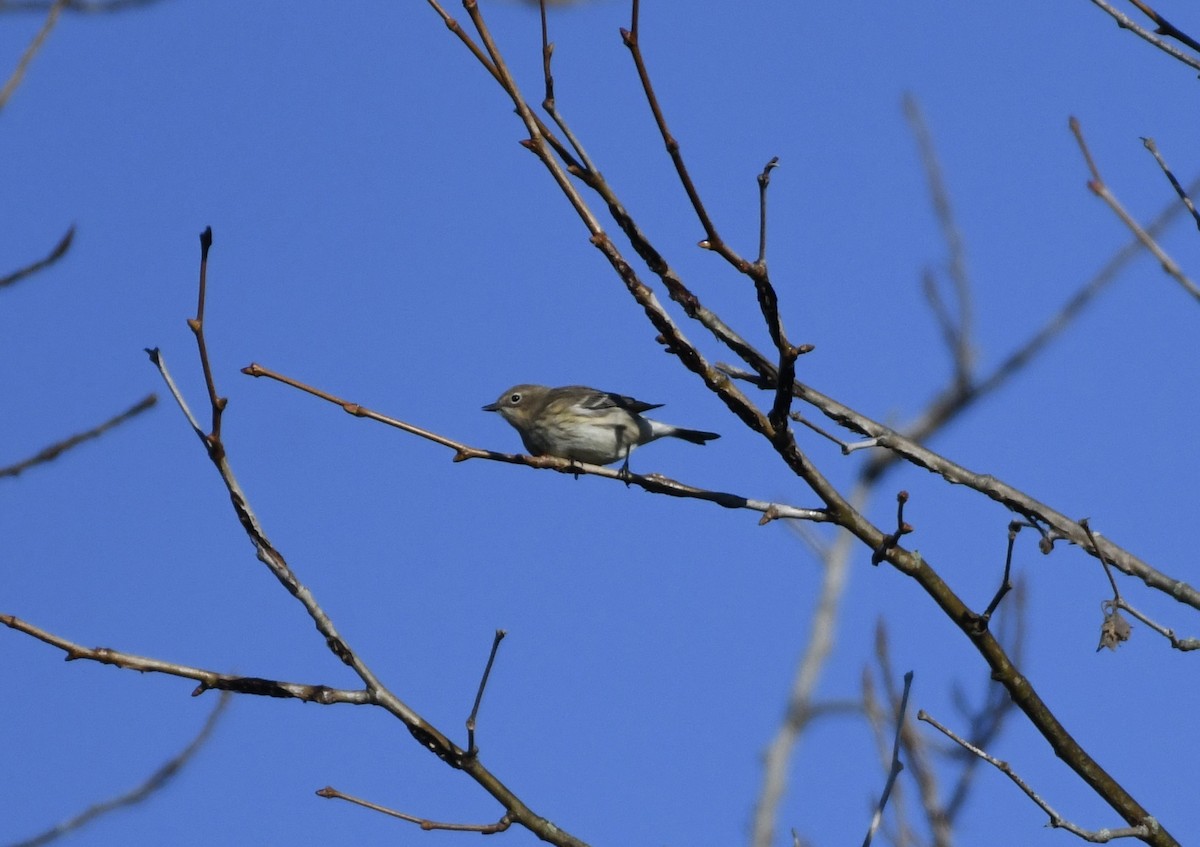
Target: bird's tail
695, 436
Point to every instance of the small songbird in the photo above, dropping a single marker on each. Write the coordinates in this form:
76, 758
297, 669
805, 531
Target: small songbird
583, 424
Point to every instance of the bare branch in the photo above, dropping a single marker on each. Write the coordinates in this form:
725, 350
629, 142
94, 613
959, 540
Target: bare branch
155, 782
1115, 628
959, 330
60, 250
957, 398
1142, 830
18, 74
1097, 186
1014, 527
655, 483
376, 693
818, 646
1165, 27
1125, 22
896, 767
84, 6
55, 450
472, 750
484, 828
1179, 189
209, 680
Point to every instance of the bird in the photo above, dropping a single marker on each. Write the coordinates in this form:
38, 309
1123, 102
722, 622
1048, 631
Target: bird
584, 424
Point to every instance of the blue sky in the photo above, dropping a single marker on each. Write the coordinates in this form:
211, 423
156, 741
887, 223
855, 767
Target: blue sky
380, 233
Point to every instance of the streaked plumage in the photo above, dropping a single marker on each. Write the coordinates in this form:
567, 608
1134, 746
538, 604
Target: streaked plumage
584, 424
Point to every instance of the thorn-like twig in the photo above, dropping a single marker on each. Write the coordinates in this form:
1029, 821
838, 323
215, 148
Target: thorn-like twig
472, 750
1014, 527
764, 180
196, 325
957, 330
1097, 186
504, 823
901, 530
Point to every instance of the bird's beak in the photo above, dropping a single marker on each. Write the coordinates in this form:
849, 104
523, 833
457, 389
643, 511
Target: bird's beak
492, 407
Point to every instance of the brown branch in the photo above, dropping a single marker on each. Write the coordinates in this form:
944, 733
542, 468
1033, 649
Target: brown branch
1014, 527
839, 509
18, 74
654, 483
1060, 527
712, 239
957, 398
60, 250
1125, 22
84, 6
209, 680
501, 825
893, 538
1097, 186
1165, 27
1147, 829
56, 449
196, 325
153, 783
376, 693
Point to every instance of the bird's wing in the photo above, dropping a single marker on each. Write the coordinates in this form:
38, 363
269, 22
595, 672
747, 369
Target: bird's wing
601, 400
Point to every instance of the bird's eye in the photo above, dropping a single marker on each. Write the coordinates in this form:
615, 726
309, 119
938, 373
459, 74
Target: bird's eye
514, 399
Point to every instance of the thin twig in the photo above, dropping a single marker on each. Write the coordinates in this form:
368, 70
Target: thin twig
153, 783
18, 74
209, 680
1005, 583
712, 239
896, 767
1126, 22
892, 539
1115, 629
655, 483
1165, 27
196, 325
1179, 189
957, 398
1142, 830
504, 823
376, 693
55, 450
60, 250
1100, 189
472, 750
960, 330
818, 647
